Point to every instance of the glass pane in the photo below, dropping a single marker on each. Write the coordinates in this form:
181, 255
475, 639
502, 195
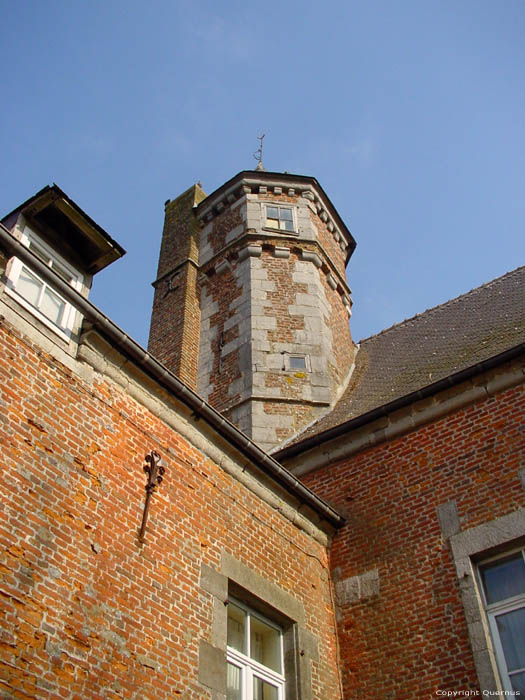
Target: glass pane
40, 254
265, 646
518, 682
287, 225
272, 212
274, 223
29, 286
236, 628
297, 362
52, 306
233, 683
62, 272
504, 578
286, 214
511, 628
263, 690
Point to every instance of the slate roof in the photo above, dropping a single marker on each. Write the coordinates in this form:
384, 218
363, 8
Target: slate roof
422, 350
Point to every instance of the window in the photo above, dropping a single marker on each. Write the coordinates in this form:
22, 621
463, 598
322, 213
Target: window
503, 586
297, 362
255, 656
37, 295
280, 218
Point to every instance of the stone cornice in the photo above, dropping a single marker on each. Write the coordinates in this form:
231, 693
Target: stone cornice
277, 184
250, 244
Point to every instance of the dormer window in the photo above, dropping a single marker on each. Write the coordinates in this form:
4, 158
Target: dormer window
37, 295
280, 218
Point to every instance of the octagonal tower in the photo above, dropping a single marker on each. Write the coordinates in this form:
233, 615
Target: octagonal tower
251, 301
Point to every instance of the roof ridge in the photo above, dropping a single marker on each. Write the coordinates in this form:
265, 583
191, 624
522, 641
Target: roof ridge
449, 302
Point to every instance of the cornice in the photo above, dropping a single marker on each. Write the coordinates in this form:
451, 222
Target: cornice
276, 184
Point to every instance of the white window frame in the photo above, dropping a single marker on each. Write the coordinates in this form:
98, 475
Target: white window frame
493, 610
13, 275
249, 668
282, 231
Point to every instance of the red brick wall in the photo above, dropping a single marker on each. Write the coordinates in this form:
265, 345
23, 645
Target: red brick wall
87, 612
411, 639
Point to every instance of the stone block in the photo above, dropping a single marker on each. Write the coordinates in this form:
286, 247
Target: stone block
212, 667
448, 519
264, 322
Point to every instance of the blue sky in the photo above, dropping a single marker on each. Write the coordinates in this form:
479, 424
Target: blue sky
411, 114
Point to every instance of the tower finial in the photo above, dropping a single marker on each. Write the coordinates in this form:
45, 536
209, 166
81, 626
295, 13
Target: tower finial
258, 153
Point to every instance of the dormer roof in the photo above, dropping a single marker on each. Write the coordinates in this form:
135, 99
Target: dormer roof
67, 228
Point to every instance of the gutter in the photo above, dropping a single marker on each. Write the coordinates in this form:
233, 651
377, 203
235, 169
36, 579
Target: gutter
163, 376
402, 402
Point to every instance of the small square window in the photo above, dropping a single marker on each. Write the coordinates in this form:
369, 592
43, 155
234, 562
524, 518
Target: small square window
35, 294
280, 218
297, 362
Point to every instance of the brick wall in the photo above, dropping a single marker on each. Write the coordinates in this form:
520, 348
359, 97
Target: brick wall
402, 628
87, 611
175, 319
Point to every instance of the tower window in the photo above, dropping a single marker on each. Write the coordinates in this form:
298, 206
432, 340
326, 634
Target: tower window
280, 218
297, 362
38, 296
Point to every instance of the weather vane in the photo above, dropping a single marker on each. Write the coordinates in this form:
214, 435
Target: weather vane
258, 153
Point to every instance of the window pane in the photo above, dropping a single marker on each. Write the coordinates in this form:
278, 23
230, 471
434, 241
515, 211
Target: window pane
297, 362
263, 690
286, 214
504, 578
511, 628
287, 225
272, 212
29, 286
52, 306
40, 254
236, 628
274, 223
518, 682
265, 644
233, 683
62, 272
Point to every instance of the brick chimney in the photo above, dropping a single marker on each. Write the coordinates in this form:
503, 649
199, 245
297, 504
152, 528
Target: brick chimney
175, 319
